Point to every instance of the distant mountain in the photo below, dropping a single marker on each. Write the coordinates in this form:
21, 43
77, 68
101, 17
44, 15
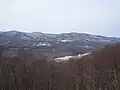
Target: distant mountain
73, 42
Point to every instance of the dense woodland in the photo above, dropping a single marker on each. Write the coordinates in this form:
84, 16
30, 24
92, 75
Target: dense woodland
98, 71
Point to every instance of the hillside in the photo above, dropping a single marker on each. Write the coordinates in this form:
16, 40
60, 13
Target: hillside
94, 71
55, 44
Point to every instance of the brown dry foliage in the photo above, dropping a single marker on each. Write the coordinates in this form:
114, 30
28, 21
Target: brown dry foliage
98, 71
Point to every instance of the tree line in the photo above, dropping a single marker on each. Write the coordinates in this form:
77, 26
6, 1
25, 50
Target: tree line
97, 71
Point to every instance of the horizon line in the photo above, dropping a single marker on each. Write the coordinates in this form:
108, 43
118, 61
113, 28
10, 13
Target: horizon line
6, 30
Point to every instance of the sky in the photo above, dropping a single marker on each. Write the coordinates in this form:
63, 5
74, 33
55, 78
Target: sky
61, 16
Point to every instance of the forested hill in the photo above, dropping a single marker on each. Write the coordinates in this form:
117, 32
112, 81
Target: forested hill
96, 71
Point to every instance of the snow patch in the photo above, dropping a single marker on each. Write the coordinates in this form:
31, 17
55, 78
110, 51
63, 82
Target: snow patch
66, 58
43, 44
65, 40
82, 55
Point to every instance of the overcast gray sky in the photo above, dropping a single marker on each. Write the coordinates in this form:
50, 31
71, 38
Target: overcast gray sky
57, 16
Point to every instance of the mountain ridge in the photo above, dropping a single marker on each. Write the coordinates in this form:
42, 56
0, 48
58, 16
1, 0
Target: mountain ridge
63, 41
58, 33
